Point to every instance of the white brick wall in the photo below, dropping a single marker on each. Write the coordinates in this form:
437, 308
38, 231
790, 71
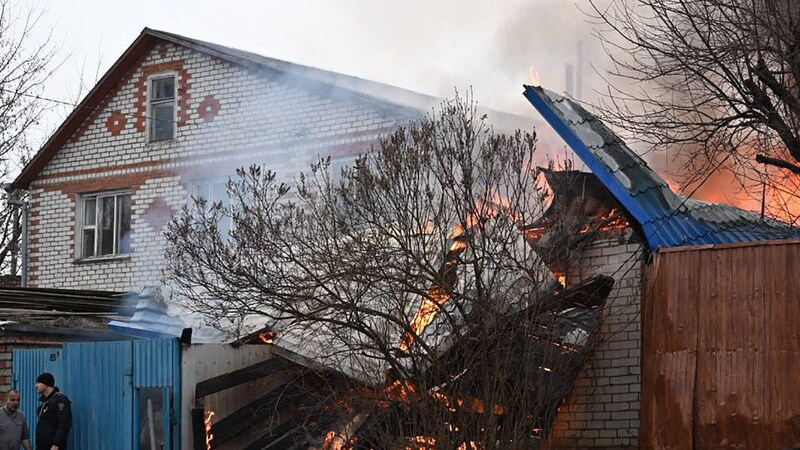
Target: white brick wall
603, 409
282, 122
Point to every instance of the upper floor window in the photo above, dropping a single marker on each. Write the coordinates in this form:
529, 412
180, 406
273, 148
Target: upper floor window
162, 108
105, 224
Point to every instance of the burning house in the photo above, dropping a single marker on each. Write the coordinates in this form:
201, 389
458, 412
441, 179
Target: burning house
175, 116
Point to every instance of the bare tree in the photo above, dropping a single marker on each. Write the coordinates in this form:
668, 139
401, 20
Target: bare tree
24, 67
409, 273
715, 81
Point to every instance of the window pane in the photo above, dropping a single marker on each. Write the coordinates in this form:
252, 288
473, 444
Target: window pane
124, 223
89, 211
221, 193
162, 121
106, 225
88, 244
204, 192
163, 88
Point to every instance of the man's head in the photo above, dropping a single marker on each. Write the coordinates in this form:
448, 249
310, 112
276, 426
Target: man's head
45, 383
12, 400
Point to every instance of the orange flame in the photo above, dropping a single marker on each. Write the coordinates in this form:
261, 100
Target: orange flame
611, 221
331, 442
402, 390
209, 436
437, 295
406, 392
431, 305
267, 337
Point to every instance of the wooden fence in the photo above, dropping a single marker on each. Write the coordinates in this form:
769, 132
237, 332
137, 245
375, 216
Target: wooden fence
721, 348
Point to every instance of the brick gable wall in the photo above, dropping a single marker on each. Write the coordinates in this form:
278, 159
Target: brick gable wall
227, 116
602, 412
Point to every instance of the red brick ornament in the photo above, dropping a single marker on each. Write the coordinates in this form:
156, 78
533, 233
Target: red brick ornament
208, 108
116, 122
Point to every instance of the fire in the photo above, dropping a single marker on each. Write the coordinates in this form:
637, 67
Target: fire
611, 221
331, 442
406, 392
421, 443
267, 337
534, 76
209, 436
402, 390
431, 305
437, 295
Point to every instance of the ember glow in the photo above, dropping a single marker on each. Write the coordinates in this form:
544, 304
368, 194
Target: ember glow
209, 436
421, 443
613, 220
406, 392
267, 337
331, 442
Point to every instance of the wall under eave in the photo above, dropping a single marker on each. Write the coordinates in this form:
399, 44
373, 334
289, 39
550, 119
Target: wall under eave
603, 409
721, 350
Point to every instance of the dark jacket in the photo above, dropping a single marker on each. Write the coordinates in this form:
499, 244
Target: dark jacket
55, 420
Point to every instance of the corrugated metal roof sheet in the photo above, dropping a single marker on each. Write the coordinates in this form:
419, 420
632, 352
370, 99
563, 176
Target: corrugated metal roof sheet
667, 219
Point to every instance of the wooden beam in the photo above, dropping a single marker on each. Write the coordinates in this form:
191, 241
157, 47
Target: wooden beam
199, 428
231, 426
281, 437
241, 376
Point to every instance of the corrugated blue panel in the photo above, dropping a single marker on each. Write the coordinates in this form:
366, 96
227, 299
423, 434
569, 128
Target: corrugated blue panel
99, 383
157, 364
28, 364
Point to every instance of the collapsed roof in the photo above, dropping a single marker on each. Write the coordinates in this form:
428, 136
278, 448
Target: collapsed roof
666, 218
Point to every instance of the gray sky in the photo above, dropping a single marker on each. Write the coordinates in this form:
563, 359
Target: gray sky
428, 46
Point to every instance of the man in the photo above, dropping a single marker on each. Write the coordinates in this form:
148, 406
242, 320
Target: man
13, 426
55, 415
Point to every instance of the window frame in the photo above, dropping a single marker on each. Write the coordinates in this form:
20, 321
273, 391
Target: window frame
80, 225
211, 182
151, 101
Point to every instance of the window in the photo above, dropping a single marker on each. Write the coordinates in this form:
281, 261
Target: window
215, 191
105, 224
162, 108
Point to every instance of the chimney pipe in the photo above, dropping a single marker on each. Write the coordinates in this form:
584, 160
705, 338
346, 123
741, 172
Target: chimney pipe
568, 79
579, 72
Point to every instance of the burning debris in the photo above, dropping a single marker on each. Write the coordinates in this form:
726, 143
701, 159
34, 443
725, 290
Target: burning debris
209, 435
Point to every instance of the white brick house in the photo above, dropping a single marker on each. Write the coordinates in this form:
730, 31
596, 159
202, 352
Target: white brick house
173, 117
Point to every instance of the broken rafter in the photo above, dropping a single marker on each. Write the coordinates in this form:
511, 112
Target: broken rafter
241, 376
293, 395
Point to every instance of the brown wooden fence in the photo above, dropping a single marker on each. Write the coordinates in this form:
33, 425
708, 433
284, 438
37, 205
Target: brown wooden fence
721, 348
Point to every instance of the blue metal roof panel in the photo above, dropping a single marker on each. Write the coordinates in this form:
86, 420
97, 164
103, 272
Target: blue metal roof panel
667, 219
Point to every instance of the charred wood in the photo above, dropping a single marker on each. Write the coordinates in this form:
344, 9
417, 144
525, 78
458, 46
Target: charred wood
199, 428
293, 395
241, 376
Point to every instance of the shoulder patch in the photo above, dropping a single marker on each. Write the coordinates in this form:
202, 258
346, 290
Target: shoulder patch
61, 406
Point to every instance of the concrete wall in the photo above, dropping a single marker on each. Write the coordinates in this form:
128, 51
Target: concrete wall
603, 409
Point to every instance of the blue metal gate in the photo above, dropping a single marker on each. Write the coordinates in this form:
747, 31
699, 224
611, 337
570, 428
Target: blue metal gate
99, 381
125, 395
